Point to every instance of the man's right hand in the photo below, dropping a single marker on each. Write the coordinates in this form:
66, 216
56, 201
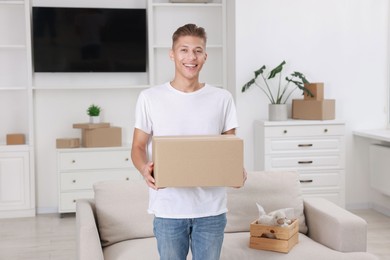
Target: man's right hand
147, 173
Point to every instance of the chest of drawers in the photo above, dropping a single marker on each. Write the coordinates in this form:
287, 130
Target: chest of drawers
316, 149
78, 169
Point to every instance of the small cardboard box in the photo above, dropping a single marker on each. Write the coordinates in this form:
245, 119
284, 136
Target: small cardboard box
284, 239
91, 126
15, 139
101, 137
68, 143
313, 109
198, 161
317, 89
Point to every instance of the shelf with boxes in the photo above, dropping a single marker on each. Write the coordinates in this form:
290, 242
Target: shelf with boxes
17, 180
316, 149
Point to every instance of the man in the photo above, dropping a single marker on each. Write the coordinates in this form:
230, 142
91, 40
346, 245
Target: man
184, 217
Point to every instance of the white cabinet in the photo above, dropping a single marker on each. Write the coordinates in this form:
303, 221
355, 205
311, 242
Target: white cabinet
78, 169
165, 18
17, 191
316, 149
16, 199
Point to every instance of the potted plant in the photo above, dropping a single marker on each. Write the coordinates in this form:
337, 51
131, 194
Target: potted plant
278, 97
94, 114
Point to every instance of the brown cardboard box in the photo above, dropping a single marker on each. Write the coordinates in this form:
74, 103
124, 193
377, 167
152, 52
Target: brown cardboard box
285, 237
101, 137
13, 139
68, 143
198, 161
313, 109
317, 89
91, 126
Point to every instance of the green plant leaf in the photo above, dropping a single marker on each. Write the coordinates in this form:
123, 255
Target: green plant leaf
259, 71
247, 85
276, 70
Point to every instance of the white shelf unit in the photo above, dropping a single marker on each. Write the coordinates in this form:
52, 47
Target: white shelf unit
17, 181
315, 149
79, 168
164, 18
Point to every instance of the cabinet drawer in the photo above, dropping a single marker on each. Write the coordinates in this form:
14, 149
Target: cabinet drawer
333, 196
68, 200
303, 131
85, 180
302, 145
303, 162
94, 160
320, 180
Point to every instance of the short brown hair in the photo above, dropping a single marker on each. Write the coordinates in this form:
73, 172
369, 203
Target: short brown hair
189, 30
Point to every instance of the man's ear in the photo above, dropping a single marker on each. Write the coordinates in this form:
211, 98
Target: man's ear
205, 56
171, 54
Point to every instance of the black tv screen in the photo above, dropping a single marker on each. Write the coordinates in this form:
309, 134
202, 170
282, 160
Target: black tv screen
89, 39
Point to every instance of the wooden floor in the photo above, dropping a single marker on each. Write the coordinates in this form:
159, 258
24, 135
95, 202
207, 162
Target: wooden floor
49, 237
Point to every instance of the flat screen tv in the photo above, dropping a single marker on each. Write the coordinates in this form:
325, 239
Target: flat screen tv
89, 39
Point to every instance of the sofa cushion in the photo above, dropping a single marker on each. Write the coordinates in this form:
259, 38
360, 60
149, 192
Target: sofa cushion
236, 246
121, 211
272, 190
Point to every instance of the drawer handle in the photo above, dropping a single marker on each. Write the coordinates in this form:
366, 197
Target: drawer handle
325, 130
284, 131
73, 161
305, 181
73, 181
305, 162
305, 145
74, 201
127, 178
127, 159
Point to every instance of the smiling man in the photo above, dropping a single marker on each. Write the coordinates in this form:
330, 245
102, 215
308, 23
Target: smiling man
184, 217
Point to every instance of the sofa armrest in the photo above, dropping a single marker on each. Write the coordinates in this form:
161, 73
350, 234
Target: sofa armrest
334, 226
88, 246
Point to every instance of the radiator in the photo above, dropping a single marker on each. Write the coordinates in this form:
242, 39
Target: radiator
380, 168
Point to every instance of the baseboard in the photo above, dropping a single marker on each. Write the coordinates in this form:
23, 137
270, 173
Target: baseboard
47, 210
382, 209
352, 206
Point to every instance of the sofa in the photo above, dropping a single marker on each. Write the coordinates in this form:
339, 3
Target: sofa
115, 224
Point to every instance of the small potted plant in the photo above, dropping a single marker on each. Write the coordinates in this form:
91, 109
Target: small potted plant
94, 114
278, 96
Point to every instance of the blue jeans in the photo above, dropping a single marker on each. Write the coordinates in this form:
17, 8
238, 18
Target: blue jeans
203, 235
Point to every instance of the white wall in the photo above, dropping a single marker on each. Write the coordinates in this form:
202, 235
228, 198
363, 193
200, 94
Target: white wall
342, 43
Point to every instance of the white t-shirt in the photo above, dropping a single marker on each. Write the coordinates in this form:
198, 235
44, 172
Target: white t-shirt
164, 111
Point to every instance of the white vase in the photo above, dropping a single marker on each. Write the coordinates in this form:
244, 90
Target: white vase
94, 119
277, 112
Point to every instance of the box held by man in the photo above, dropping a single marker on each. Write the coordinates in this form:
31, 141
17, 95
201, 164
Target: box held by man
198, 161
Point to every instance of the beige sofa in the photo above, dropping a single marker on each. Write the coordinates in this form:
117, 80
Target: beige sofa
116, 226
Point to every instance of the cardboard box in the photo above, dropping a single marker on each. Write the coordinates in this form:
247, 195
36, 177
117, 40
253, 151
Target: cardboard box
198, 161
101, 137
313, 109
284, 239
68, 143
317, 89
15, 139
91, 126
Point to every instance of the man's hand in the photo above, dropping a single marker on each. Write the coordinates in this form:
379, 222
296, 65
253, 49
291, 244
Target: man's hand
147, 173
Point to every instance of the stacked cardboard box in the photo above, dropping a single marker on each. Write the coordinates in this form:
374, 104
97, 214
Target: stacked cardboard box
99, 135
198, 161
316, 107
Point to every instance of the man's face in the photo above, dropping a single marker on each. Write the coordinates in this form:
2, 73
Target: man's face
189, 55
